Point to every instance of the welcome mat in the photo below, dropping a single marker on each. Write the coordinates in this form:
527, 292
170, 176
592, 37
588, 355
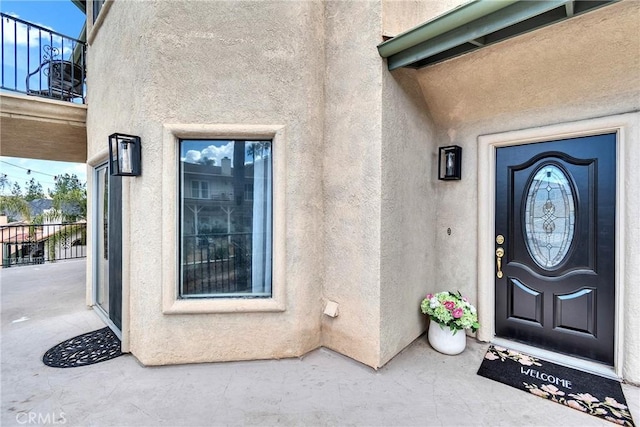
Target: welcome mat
594, 395
86, 349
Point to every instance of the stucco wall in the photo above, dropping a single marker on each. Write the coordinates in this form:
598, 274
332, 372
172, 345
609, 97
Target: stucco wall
401, 15
631, 296
313, 69
40, 128
366, 219
378, 191
580, 69
352, 150
407, 249
191, 63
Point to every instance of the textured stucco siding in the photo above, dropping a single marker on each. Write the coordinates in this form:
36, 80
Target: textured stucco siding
631, 231
401, 15
581, 69
409, 176
351, 178
41, 128
367, 221
213, 63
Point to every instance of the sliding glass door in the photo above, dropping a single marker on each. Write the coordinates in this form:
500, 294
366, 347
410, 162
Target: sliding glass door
101, 257
108, 246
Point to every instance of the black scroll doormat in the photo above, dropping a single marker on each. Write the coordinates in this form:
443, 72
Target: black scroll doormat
594, 395
86, 349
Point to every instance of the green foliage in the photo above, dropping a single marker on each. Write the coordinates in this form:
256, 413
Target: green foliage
451, 309
55, 239
53, 215
14, 207
16, 191
70, 197
4, 182
258, 149
207, 161
34, 190
51, 248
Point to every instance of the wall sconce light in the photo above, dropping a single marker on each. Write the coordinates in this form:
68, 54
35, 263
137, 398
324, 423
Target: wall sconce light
450, 162
124, 155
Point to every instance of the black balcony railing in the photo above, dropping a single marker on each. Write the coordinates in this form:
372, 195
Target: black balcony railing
214, 264
39, 243
41, 62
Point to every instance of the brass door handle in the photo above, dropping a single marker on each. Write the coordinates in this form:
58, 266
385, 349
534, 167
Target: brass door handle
499, 255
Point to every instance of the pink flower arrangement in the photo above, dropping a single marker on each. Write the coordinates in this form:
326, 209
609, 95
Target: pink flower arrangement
450, 309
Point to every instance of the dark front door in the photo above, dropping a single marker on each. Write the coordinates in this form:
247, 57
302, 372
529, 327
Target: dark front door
555, 240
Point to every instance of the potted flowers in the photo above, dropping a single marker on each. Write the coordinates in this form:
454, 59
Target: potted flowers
450, 313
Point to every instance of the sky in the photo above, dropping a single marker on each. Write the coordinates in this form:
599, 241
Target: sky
63, 17
194, 151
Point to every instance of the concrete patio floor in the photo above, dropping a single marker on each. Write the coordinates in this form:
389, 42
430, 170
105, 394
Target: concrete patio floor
44, 305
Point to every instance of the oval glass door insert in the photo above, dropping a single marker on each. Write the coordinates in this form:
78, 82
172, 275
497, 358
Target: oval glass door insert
550, 216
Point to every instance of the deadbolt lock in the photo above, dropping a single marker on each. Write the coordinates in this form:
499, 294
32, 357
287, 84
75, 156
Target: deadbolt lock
499, 239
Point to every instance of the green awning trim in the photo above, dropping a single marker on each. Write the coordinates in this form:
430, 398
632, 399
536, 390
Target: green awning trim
81, 4
79, 52
474, 25
455, 18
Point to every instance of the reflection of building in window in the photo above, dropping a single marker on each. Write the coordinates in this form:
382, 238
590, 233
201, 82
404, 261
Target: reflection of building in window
200, 189
225, 226
248, 191
97, 5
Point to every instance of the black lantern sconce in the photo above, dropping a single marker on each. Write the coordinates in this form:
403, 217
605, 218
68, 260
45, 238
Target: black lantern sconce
124, 155
450, 162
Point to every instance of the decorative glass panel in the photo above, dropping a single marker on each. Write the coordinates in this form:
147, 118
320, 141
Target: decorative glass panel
549, 217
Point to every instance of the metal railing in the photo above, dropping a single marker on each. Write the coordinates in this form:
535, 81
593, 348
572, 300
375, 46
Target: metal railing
41, 62
216, 264
39, 243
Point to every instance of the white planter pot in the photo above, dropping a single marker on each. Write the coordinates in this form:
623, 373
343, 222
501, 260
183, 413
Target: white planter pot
443, 340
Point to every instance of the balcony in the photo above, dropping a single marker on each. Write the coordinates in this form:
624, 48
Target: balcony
41, 62
42, 93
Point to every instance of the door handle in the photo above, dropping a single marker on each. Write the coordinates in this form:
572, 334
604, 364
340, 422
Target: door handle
499, 255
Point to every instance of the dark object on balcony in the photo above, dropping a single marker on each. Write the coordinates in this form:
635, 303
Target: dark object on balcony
43, 62
65, 79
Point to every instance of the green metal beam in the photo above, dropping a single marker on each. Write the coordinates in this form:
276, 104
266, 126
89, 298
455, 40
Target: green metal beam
81, 4
501, 19
457, 17
477, 24
79, 51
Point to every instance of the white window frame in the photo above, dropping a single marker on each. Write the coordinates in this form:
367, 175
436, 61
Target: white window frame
248, 192
203, 188
171, 303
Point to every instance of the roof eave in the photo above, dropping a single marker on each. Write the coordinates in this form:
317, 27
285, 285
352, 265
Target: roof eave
475, 25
